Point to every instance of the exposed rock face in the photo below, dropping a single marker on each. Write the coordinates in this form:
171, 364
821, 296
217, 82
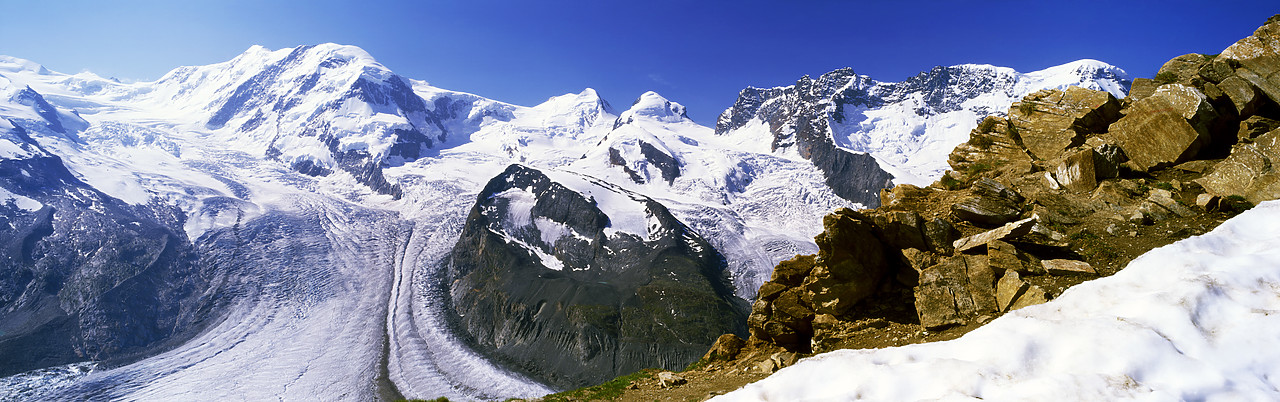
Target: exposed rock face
994, 144
1051, 121
85, 276
992, 203
1249, 171
850, 266
955, 290
1167, 128
799, 118
1259, 58
563, 287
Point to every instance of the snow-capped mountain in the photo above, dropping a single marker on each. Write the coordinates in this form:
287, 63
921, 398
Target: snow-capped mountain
909, 126
322, 198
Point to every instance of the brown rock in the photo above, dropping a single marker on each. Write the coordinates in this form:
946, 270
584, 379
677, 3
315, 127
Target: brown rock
1076, 171
1141, 89
1033, 295
1183, 68
770, 290
669, 379
1207, 201
1008, 231
1068, 267
1259, 58
892, 196
784, 359
792, 272
992, 203
940, 235
725, 348
901, 229
789, 310
851, 264
1008, 289
1050, 121
1003, 257
1217, 70
1107, 158
1167, 128
915, 261
1255, 126
954, 291
1243, 95
992, 145
1249, 171
1164, 198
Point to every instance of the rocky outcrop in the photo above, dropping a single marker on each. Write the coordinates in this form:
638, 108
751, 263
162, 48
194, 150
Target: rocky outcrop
1050, 121
575, 290
1166, 128
1249, 171
89, 277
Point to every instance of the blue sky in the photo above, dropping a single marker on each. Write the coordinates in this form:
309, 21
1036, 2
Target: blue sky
699, 53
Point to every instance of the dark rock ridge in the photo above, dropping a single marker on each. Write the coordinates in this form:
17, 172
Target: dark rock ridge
799, 115
544, 282
88, 277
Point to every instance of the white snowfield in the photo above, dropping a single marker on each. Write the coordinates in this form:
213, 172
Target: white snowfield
1196, 320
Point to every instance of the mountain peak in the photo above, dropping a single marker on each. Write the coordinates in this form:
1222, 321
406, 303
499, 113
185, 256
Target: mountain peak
654, 106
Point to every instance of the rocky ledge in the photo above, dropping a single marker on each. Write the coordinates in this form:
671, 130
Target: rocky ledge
1070, 186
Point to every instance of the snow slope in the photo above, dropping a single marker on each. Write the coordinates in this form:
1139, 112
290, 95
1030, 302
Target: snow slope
1195, 320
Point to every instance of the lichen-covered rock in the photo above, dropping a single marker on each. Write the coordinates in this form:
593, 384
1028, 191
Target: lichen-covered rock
941, 235
1052, 120
1166, 128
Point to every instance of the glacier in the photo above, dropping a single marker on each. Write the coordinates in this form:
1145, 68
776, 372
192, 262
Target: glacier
325, 191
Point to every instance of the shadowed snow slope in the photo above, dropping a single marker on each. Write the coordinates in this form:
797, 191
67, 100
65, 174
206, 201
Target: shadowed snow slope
1194, 320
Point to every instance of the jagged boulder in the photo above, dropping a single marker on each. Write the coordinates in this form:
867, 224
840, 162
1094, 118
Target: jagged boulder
851, 265
1249, 171
955, 291
1052, 120
991, 145
1141, 89
992, 203
1076, 171
1166, 128
1013, 293
1003, 257
1259, 58
1011, 230
1255, 126
727, 347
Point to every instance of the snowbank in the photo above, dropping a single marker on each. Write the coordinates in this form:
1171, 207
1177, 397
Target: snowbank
1198, 319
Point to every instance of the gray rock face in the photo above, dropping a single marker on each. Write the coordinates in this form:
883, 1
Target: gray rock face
544, 281
89, 277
